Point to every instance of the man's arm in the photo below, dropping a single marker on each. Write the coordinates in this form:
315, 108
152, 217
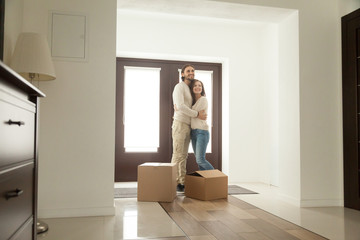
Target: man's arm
201, 114
179, 101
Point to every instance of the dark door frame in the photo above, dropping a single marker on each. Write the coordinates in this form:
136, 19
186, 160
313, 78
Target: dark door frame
2, 27
350, 27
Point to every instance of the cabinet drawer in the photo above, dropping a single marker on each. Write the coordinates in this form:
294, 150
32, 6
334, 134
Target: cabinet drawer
17, 137
25, 233
16, 198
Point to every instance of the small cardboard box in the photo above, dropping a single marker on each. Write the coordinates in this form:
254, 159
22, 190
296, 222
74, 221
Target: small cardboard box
206, 185
156, 182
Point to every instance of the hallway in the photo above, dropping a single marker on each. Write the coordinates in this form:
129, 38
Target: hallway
240, 217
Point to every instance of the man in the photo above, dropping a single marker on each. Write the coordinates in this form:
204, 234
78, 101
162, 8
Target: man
181, 125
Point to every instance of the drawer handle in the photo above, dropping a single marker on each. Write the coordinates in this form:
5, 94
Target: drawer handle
11, 122
17, 192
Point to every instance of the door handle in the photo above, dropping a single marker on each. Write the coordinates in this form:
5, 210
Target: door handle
11, 122
11, 194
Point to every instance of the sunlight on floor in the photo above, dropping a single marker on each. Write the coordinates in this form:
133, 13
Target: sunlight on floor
132, 220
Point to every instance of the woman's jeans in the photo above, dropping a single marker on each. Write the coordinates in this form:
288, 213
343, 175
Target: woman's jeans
199, 141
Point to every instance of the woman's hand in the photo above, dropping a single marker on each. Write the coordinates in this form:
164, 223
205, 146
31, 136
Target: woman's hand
202, 115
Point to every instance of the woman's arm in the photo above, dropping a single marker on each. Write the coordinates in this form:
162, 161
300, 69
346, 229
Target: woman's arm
201, 104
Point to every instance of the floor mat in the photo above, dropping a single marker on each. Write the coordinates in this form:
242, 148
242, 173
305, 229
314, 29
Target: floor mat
132, 192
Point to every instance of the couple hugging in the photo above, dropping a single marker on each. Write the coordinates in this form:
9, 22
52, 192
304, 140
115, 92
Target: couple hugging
190, 115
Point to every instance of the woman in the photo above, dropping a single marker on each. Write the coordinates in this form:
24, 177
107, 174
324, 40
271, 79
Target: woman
199, 128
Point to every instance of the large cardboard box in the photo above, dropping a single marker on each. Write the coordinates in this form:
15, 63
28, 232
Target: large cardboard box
156, 182
206, 185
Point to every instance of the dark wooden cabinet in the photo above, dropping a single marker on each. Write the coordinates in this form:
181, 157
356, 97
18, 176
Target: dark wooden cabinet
350, 25
18, 156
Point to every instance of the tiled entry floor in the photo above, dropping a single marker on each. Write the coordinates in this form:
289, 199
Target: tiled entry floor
133, 220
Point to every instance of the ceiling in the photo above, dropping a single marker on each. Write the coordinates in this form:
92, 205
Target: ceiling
208, 8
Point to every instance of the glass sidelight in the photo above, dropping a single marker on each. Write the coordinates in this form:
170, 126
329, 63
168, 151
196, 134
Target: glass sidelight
141, 109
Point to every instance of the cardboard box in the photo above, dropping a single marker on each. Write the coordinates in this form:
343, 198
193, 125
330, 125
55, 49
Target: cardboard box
157, 182
206, 185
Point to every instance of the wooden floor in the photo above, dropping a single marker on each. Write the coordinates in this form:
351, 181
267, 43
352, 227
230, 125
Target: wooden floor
231, 219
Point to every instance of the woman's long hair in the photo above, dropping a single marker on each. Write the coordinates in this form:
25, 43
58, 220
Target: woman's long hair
192, 92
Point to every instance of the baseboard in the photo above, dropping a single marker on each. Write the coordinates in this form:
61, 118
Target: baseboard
76, 212
322, 203
312, 202
289, 199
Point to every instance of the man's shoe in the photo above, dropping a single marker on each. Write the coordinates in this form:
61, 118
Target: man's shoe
180, 188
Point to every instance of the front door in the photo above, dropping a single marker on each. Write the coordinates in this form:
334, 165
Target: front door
144, 111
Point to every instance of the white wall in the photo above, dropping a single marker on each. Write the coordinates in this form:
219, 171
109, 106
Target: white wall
77, 118
270, 138
289, 109
320, 106
13, 26
347, 6
320, 143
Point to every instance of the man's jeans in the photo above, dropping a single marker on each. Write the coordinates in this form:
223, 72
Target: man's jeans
181, 141
199, 141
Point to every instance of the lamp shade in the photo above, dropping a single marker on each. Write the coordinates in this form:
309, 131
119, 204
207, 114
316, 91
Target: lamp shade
31, 58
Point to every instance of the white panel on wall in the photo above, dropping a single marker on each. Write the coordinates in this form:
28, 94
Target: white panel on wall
68, 36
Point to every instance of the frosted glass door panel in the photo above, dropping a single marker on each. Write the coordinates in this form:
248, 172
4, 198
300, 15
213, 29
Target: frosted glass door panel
141, 109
